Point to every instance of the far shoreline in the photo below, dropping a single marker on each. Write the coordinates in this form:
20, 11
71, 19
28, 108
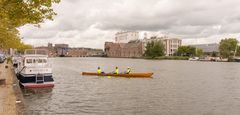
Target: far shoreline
182, 58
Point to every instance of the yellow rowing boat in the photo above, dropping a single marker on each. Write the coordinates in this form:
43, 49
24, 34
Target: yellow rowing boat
134, 75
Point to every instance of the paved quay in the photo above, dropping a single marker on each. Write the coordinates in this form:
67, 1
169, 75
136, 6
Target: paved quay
11, 98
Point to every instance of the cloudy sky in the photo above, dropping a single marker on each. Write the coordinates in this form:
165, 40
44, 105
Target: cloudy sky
89, 23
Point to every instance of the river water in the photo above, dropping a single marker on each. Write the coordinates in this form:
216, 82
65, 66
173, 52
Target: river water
177, 88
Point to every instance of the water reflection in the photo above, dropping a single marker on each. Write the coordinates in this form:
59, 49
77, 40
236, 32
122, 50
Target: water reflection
41, 99
42, 92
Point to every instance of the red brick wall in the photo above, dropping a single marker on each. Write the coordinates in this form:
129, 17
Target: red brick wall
124, 49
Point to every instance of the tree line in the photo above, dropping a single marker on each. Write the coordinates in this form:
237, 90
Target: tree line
227, 48
17, 13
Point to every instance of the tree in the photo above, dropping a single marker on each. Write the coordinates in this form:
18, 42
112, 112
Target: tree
16, 13
238, 51
187, 51
227, 47
155, 49
199, 52
158, 49
149, 48
214, 54
23, 47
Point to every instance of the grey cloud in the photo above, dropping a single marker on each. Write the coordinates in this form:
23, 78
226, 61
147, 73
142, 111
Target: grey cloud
40, 34
93, 19
231, 28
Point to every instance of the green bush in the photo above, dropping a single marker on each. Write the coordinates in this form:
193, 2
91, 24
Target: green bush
154, 49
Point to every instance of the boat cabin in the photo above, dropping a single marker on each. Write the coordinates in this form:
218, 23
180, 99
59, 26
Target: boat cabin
34, 70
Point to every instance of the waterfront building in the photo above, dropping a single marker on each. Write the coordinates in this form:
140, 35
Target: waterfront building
95, 52
65, 50
60, 45
77, 52
132, 49
171, 44
208, 48
85, 52
50, 45
126, 36
61, 49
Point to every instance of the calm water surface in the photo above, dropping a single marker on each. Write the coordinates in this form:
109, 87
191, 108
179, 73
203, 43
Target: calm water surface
177, 88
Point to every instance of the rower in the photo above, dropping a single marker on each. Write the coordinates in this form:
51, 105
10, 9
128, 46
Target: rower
128, 70
99, 71
116, 71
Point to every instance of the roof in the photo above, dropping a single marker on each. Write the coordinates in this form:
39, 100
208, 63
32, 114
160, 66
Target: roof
208, 47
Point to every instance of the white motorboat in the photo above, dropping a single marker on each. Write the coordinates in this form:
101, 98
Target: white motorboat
34, 70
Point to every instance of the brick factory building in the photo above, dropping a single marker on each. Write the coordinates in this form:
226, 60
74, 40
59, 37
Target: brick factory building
133, 49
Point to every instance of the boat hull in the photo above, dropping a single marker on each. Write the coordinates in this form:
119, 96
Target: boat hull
133, 75
237, 59
29, 81
37, 85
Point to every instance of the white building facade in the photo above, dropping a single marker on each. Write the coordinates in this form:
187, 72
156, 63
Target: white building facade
171, 44
126, 36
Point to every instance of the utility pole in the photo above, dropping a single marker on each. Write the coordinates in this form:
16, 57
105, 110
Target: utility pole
236, 50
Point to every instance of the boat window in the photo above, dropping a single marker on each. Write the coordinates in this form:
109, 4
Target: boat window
44, 61
39, 60
29, 60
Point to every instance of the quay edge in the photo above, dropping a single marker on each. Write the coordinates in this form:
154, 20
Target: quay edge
13, 101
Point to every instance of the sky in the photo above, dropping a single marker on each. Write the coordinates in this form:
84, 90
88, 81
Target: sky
89, 23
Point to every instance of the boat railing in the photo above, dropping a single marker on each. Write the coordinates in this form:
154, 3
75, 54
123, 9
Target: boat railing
36, 65
36, 52
22, 69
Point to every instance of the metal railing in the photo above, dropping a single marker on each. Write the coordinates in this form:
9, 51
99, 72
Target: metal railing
36, 52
